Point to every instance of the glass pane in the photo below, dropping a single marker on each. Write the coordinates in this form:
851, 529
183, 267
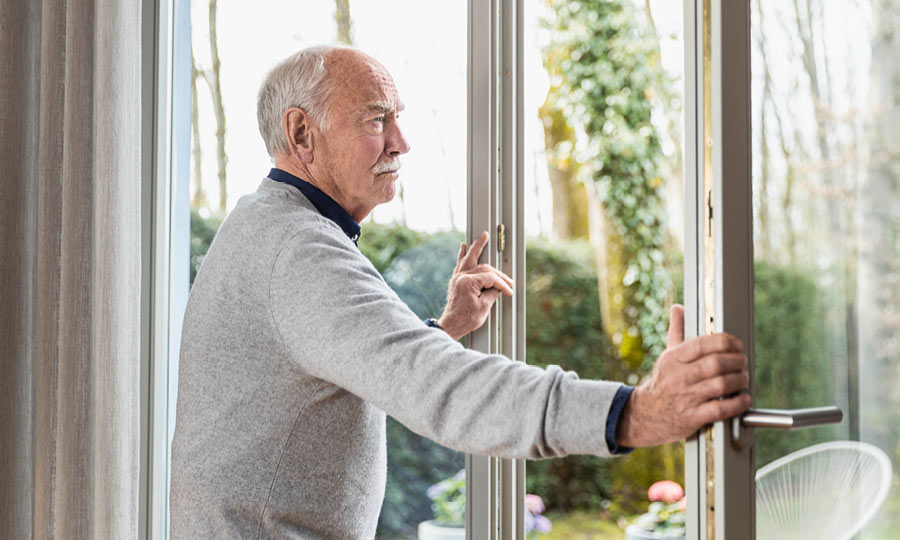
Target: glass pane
413, 240
604, 202
826, 184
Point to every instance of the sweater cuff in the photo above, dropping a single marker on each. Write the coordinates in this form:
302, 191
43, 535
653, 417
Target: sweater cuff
612, 419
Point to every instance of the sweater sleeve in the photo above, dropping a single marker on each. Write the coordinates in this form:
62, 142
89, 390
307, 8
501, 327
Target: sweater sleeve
342, 323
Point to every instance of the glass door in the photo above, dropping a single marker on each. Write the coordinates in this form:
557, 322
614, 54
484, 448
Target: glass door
825, 94
798, 242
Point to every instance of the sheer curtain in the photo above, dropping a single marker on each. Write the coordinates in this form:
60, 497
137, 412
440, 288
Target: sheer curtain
70, 268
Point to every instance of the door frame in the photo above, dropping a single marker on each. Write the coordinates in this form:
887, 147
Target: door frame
720, 459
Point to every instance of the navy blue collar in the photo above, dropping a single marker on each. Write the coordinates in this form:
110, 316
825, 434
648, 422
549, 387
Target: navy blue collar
323, 203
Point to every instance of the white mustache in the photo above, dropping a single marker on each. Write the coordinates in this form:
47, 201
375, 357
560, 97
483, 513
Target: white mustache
387, 166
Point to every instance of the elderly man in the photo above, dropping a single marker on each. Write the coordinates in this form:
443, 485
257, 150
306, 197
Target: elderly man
294, 348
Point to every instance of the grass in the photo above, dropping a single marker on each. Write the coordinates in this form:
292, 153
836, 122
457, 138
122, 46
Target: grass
582, 525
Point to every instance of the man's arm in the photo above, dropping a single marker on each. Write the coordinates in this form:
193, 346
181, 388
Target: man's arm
682, 393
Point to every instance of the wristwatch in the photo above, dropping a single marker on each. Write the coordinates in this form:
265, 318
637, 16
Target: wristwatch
432, 322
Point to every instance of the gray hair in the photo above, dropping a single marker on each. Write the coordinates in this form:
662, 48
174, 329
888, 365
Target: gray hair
299, 80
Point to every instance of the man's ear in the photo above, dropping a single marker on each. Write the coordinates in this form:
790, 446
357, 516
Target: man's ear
296, 125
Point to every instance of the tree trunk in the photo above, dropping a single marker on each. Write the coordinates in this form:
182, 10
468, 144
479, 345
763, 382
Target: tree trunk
342, 18
762, 242
613, 259
198, 198
213, 79
570, 201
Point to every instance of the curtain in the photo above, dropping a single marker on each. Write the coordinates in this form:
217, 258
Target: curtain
70, 268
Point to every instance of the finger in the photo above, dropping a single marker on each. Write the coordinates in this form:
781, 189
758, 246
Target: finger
489, 296
459, 258
471, 258
720, 409
676, 326
488, 268
715, 365
695, 349
488, 280
724, 385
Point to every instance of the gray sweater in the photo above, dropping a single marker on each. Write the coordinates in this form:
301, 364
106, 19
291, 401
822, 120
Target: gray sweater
293, 350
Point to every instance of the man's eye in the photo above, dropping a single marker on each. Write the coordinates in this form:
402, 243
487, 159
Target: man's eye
379, 120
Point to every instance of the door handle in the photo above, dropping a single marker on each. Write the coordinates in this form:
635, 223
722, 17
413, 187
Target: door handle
783, 419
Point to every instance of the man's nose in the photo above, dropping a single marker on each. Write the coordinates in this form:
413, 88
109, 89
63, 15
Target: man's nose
396, 142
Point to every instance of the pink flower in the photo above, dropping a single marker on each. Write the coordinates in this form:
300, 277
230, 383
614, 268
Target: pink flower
534, 504
666, 491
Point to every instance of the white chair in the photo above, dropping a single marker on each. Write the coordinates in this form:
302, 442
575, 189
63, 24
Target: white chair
824, 492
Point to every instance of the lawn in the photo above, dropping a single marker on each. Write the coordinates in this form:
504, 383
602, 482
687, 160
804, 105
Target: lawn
582, 526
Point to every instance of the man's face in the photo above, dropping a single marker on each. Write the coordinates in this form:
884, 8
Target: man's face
359, 153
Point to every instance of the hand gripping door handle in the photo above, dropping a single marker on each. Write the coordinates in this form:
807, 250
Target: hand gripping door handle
783, 419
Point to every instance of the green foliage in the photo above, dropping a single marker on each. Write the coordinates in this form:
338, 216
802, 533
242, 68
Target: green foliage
562, 310
203, 230
449, 496
606, 71
793, 366
382, 243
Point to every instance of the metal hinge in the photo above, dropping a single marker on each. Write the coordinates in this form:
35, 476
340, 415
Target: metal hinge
501, 237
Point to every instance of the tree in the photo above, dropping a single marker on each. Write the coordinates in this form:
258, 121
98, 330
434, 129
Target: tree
608, 70
342, 18
570, 202
212, 78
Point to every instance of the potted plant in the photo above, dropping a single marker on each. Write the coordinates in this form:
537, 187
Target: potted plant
664, 518
535, 523
449, 505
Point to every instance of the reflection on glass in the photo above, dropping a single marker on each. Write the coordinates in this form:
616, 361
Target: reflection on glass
412, 241
604, 206
826, 183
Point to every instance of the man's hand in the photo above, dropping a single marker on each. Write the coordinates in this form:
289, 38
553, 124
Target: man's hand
472, 291
683, 392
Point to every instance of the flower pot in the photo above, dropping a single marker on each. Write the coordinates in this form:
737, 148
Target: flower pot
633, 532
430, 530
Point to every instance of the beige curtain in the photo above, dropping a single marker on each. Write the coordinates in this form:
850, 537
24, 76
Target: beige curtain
70, 267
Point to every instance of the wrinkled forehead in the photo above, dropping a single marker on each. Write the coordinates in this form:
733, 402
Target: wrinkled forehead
362, 84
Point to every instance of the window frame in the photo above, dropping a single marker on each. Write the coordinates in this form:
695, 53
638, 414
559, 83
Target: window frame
495, 498
165, 241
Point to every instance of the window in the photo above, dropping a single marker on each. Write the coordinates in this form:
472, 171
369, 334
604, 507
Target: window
574, 151
413, 240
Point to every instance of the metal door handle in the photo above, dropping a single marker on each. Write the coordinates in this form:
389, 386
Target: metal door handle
784, 419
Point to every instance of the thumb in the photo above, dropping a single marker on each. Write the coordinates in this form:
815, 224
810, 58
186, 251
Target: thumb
676, 326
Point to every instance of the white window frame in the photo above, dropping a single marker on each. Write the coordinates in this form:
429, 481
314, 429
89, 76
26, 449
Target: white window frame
495, 496
165, 240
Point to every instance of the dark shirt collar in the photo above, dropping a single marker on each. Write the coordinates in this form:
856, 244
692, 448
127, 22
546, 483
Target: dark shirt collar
323, 203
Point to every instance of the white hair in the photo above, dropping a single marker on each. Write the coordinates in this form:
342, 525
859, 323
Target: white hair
299, 80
